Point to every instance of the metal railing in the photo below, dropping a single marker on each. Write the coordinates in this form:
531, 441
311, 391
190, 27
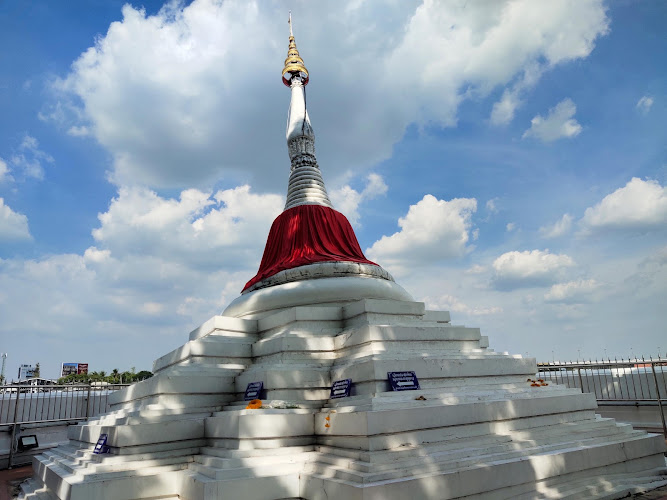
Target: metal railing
637, 381
22, 404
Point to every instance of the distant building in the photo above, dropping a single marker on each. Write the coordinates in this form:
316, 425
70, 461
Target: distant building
26, 372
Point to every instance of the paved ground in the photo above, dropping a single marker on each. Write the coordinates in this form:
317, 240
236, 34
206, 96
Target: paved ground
10, 480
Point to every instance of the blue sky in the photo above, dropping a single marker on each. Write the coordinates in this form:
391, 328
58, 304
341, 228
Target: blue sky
505, 161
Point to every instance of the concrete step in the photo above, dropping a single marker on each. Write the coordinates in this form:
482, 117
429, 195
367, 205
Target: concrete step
450, 463
33, 489
600, 487
153, 410
276, 469
234, 463
120, 485
194, 485
477, 446
232, 453
415, 443
140, 419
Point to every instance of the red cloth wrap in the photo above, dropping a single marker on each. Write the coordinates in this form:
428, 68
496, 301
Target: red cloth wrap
306, 234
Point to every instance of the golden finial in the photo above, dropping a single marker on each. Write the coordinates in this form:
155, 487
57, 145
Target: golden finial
294, 66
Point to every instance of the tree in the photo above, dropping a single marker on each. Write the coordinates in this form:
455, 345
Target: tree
143, 375
36, 371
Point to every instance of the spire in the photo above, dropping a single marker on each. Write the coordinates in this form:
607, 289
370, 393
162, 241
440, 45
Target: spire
306, 186
310, 241
294, 66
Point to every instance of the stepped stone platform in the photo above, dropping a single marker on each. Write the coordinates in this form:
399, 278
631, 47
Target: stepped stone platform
476, 429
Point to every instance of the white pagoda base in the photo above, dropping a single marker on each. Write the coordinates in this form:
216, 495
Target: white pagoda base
476, 429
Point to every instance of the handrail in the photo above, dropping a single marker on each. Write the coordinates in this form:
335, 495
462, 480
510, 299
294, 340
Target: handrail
24, 404
639, 380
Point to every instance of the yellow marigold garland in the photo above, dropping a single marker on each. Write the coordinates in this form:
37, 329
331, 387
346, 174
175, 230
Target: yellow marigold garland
255, 404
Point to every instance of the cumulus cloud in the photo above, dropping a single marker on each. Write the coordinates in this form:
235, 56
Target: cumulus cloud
431, 231
29, 159
13, 225
454, 304
503, 110
161, 92
644, 104
572, 292
476, 269
5, 176
529, 269
558, 228
208, 231
639, 205
347, 200
558, 123
511, 226
159, 267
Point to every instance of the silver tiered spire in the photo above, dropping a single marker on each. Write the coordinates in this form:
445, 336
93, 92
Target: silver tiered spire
305, 186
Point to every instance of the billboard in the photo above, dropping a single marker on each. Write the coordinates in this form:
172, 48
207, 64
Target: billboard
73, 369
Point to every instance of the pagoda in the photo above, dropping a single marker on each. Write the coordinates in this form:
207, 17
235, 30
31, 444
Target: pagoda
358, 391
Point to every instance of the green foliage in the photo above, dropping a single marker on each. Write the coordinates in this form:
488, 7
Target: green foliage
116, 377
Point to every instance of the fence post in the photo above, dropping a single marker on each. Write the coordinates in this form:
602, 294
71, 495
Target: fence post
13, 438
581, 383
88, 403
657, 393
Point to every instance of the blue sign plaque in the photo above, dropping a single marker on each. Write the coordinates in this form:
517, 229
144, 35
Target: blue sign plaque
253, 391
403, 381
341, 388
101, 446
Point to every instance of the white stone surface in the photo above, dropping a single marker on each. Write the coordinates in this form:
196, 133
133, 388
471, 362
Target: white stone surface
325, 291
475, 429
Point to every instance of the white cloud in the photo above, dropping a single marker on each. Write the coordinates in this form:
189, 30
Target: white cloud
30, 159
13, 225
431, 231
529, 268
511, 226
152, 255
503, 111
559, 228
454, 304
197, 228
160, 92
78, 131
639, 205
476, 269
5, 176
572, 292
644, 104
94, 255
558, 123
347, 200
491, 206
